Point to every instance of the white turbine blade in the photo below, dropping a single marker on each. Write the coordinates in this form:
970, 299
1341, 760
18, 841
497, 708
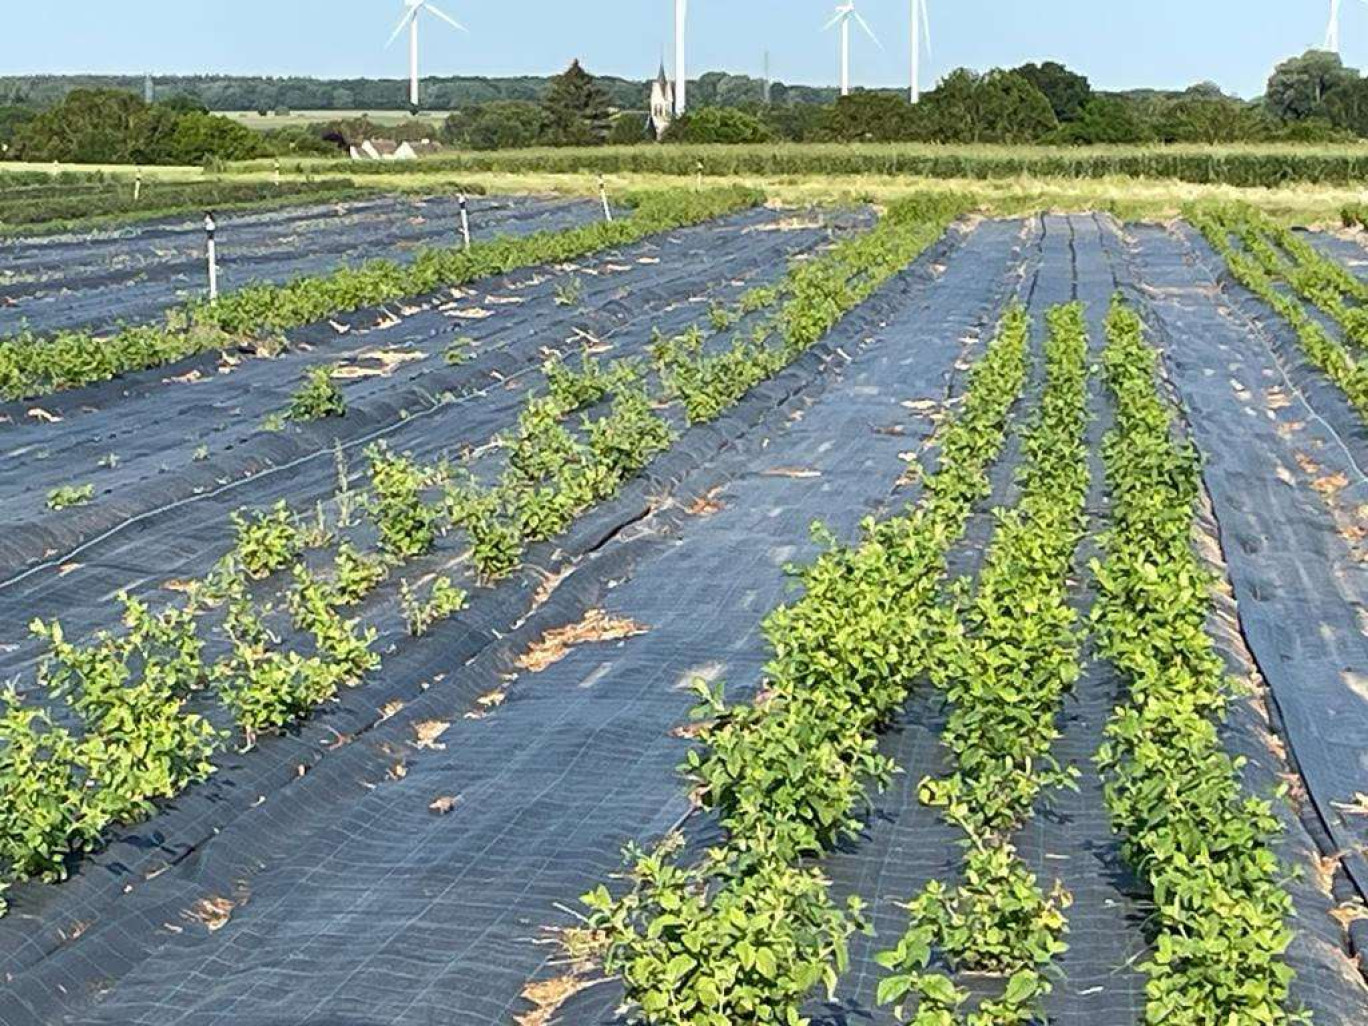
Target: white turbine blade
926, 22
868, 31
834, 21
409, 15
445, 17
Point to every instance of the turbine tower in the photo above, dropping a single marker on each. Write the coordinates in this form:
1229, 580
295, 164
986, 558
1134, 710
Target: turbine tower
1332, 35
410, 19
845, 12
921, 36
681, 72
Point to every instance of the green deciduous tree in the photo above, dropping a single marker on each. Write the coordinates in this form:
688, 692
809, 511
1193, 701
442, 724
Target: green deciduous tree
1210, 120
1346, 106
107, 126
1107, 119
718, 125
629, 128
91, 126
1000, 106
1067, 91
499, 125
868, 117
1298, 86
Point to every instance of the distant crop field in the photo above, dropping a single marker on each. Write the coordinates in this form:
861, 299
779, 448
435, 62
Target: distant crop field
71, 201
303, 118
1239, 165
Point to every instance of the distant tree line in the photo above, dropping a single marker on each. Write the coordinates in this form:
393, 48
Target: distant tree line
268, 95
109, 126
1309, 98
1313, 97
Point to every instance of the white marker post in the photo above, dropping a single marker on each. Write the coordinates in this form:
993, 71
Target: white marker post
277, 172
699, 169
137, 186
212, 252
465, 223
603, 195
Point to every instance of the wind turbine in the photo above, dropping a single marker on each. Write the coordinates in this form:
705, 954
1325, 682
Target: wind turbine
1332, 35
844, 12
681, 73
921, 34
410, 19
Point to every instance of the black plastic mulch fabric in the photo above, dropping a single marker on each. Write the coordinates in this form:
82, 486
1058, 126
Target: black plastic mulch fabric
161, 512
1254, 406
352, 901
340, 897
131, 275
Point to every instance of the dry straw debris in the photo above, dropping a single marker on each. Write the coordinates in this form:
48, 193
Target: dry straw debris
556, 644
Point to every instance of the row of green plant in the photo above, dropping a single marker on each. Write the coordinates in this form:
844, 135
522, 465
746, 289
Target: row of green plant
1317, 278
744, 934
12, 178
73, 208
1265, 167
1205, 848
1248, 268
34, 365
112, 728
1004, 660
816, 294
554, 472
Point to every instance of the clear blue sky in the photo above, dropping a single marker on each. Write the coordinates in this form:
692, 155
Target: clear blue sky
1117, 43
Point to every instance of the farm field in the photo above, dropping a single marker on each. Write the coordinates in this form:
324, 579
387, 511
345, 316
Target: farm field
56, 202
447, 639
131, 275
297, 118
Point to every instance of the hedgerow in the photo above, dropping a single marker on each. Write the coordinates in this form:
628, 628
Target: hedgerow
1206, 165
31, 365
746, 934
1206, 849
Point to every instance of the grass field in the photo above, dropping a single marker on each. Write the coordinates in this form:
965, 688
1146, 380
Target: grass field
303, 118
16, 168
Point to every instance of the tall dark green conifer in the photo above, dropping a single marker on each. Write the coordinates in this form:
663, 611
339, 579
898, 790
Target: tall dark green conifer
577, 109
